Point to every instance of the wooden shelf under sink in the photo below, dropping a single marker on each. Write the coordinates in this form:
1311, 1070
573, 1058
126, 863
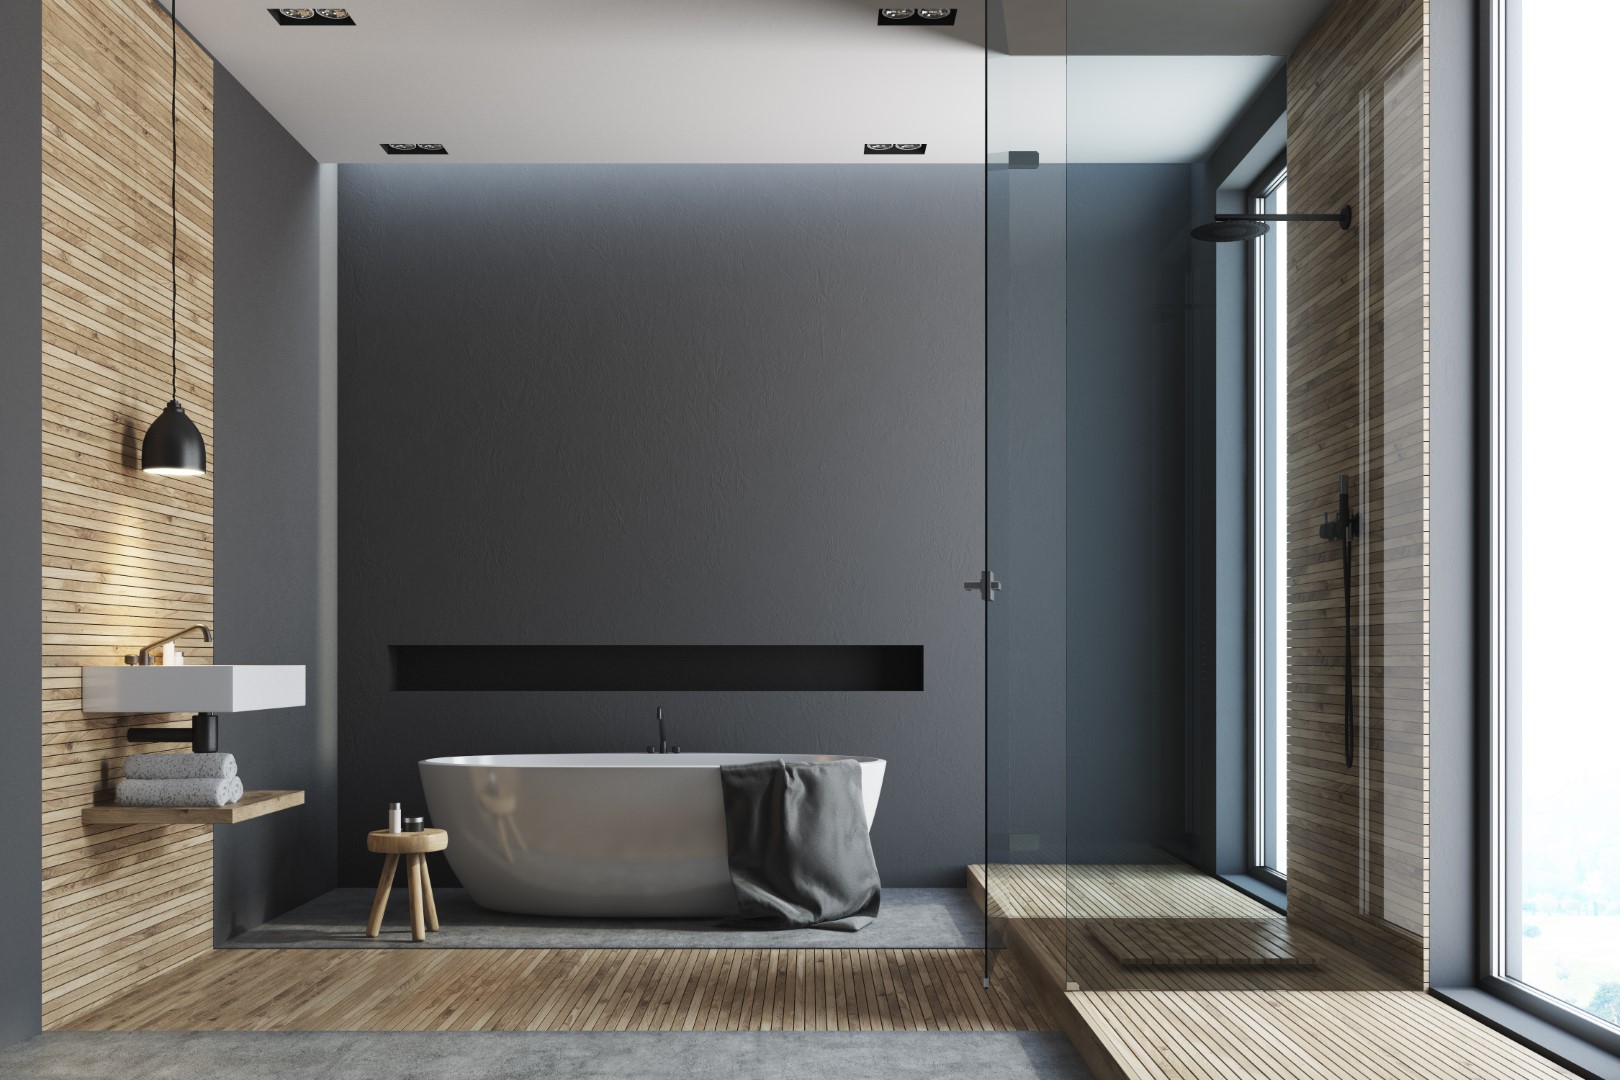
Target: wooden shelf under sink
252, 804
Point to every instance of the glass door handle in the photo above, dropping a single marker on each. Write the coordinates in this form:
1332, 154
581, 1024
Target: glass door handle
986, 586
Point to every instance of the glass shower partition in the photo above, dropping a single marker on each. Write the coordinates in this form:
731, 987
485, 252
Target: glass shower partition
1026, 602
1117, 364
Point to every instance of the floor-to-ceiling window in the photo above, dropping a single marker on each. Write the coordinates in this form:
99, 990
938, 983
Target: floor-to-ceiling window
1268, 286
1556, 881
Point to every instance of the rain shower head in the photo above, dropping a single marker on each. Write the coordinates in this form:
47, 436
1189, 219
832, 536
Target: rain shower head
1227, 228
1226, 231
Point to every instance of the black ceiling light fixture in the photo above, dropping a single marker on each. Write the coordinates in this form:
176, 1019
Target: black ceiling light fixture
173, 446
311, 16
896, 148
413, 148
1228, 228
916, 16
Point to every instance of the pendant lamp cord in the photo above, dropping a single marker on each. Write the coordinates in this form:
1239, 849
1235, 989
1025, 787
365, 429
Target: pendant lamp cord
174, 202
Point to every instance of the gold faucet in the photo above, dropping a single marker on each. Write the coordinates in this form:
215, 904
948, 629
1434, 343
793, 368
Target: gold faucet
144, 657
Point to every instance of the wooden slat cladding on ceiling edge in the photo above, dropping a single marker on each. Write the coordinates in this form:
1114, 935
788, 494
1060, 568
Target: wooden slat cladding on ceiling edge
126, 558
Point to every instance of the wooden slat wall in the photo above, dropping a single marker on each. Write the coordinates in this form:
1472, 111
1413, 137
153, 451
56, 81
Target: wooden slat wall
1357, 405
126, 558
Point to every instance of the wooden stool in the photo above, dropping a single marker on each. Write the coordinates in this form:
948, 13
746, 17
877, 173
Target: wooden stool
414, 846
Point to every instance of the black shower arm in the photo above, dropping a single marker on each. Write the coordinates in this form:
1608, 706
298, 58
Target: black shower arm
1343, 217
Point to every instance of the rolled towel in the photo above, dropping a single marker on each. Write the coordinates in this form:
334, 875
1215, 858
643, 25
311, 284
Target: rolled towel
204, 791
180, 766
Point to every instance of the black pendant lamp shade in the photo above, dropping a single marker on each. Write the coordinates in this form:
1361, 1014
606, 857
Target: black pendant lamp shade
173, 446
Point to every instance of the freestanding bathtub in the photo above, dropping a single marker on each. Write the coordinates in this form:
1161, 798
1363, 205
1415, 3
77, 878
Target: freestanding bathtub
596, 835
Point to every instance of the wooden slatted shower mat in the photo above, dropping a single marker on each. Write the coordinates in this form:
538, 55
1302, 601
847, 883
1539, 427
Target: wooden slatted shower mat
578, 990
1200, 942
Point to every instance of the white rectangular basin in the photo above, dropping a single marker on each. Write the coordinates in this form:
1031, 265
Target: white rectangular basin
192, 688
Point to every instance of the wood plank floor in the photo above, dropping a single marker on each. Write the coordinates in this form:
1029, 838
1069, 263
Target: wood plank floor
1295, 1035
578, 990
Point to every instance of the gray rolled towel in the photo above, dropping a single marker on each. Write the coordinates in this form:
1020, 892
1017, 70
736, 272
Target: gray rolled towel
180, 766
194, 792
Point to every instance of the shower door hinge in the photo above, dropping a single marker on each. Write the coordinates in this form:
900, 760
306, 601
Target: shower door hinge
986, 586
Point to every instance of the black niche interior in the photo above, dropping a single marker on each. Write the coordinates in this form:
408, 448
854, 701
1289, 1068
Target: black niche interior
655, 667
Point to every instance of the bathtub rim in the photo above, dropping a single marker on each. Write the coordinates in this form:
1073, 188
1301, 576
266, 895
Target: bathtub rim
627, 759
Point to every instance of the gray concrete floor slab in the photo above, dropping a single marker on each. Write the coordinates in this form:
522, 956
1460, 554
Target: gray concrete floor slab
552, 1055
909, 919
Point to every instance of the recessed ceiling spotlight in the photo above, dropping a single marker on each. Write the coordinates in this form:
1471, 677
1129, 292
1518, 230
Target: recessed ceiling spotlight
916, 16
303, 16
896, 148
414, 148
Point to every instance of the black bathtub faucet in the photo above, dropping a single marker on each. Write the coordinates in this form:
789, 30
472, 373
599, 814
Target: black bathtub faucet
662, 746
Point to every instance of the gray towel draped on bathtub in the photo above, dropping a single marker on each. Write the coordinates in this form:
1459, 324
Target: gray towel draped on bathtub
798, 846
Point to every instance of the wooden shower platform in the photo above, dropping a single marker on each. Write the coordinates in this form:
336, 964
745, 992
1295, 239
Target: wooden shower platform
1067, 924
1340, 1018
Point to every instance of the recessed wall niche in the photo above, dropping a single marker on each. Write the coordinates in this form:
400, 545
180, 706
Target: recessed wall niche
656, 667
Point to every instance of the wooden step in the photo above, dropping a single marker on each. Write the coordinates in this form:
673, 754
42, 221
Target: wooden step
1292, 1035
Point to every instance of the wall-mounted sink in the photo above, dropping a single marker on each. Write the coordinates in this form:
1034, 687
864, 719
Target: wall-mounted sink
192, 688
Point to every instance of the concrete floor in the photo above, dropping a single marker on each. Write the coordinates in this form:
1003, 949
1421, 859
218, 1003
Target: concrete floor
553, 1056
909, 919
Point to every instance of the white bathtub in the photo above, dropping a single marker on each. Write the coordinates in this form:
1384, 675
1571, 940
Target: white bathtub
605, 835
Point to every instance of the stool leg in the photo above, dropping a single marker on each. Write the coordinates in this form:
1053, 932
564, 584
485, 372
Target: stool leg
427, 896
413, 873
385, 885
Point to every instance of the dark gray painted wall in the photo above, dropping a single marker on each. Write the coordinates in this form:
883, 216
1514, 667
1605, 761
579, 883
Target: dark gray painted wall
19, 520
1026, 411
1127, 537
268, 458
666, 405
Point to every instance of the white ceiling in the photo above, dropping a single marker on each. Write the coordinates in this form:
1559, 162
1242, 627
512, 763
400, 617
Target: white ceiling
1160, 27
1154, 109
745, 81
1138, 109
719, 81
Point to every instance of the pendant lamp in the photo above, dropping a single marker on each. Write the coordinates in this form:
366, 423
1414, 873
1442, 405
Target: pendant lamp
173, 446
